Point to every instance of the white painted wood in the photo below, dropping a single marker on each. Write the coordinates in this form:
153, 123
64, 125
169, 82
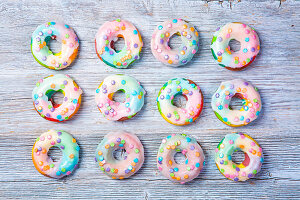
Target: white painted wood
276, 72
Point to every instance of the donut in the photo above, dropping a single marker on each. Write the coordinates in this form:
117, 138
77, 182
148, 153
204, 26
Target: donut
44, 104
192, 93
54, 31
69, 160
119, 111
108, 34
241, 89
253, 157
189, 147
229, 59
120, 169
178, 56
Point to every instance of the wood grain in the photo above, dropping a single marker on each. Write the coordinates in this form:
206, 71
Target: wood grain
276, 72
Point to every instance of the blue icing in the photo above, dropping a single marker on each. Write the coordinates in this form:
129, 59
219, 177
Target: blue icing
70, 147
169, 111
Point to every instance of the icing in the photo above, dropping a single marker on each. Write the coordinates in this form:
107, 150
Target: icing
241, 89
66, 143
120, 169
173, 114
55, 31
113, 110
44, 104
109, 33
229, 59
253, 157
160, 42
189, 147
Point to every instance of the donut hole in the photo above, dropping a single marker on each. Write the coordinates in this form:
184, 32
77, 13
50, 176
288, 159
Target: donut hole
54, 46
238, 157
120, 154
54, 153
236, 102
175, 41
56, 97
179, 158
234, 45
179, 100
118, 44
119, 96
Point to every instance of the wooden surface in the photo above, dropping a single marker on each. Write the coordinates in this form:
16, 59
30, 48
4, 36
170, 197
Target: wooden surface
276, 72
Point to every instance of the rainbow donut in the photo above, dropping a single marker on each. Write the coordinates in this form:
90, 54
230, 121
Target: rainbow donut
173, 114
248, 39
44, 104
56, 31
66, 143
120, 111
253, 157
109, 33
160, 42
189, 147
120, 169
241, 89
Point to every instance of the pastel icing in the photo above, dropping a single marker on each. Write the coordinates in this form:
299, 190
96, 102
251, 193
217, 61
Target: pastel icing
243, 90
249, 42
160, 42
119, 111
42, 97
54, 31
253, 157
109, 33
176, 115
120, 169
189, 147
70, 154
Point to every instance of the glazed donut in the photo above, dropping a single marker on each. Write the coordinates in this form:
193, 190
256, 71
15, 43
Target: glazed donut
173, 114
66, 143
120, 169
109, 33
160, 42
117, 111
189, 147
253, 157
44, 104
248, 39
243, 90
55, 31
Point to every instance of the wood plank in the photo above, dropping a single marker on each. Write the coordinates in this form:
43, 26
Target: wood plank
276, 72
